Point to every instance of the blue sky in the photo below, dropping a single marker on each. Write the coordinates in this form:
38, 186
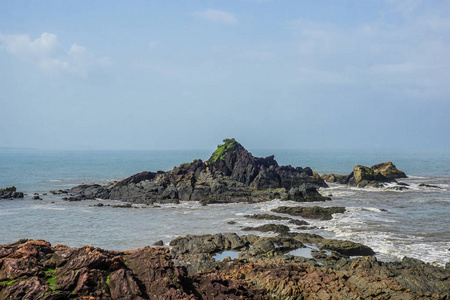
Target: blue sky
186, 74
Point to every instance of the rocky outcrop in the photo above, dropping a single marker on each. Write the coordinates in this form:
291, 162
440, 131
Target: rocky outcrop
265, 269
10, 193
231, 174
315, 212
362, 176
278, 228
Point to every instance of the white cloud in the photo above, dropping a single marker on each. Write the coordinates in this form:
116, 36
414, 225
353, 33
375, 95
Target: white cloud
45, 53
400, 55
217, 16
22, 45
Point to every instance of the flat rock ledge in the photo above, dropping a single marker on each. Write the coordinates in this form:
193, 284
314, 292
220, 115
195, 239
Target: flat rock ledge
264, 269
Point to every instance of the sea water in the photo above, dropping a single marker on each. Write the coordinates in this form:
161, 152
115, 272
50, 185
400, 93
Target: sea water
412, 222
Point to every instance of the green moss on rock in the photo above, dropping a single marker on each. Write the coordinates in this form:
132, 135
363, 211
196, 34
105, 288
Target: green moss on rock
219, 154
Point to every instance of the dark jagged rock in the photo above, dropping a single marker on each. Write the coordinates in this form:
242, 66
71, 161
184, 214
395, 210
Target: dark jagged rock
315, 212
10, 193
430, 186
268, 227
266, 217
276, 218
375, 176
231, 174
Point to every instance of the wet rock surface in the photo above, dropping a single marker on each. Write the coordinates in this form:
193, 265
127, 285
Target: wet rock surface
315, 212
33, 269
231, 174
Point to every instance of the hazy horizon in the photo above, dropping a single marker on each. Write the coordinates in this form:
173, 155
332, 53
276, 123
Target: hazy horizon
174, 75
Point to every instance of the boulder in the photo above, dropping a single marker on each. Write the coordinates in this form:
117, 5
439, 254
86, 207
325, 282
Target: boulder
388, 170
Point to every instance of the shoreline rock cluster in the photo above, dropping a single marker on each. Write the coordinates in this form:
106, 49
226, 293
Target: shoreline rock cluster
264, 269
10, 193
375, 176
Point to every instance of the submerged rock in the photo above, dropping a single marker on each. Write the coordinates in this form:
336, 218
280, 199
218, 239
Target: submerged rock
315, 212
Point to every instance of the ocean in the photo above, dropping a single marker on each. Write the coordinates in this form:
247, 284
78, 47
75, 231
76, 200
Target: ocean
395, 224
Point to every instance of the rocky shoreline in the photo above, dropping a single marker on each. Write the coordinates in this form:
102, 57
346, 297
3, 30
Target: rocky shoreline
265, 268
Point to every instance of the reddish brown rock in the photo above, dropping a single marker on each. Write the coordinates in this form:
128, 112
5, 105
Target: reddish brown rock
35, 270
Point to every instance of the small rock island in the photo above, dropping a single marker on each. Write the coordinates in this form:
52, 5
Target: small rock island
231, 174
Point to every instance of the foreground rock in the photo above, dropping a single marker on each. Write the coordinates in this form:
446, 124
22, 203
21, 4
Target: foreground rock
362, 176
10, 193
33, 269
266, 262
232, 174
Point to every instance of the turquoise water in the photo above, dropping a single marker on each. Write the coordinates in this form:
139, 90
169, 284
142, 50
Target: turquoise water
411, 223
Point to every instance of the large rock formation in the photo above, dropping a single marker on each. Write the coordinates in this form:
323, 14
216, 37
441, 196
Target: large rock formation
231, 174
362, 176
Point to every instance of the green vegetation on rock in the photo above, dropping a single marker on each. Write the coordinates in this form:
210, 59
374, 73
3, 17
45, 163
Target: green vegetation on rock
8, 189
187, 165
51, 279
8, 283
219, 154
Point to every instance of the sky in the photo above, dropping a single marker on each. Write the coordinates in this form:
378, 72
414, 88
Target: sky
274, 74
